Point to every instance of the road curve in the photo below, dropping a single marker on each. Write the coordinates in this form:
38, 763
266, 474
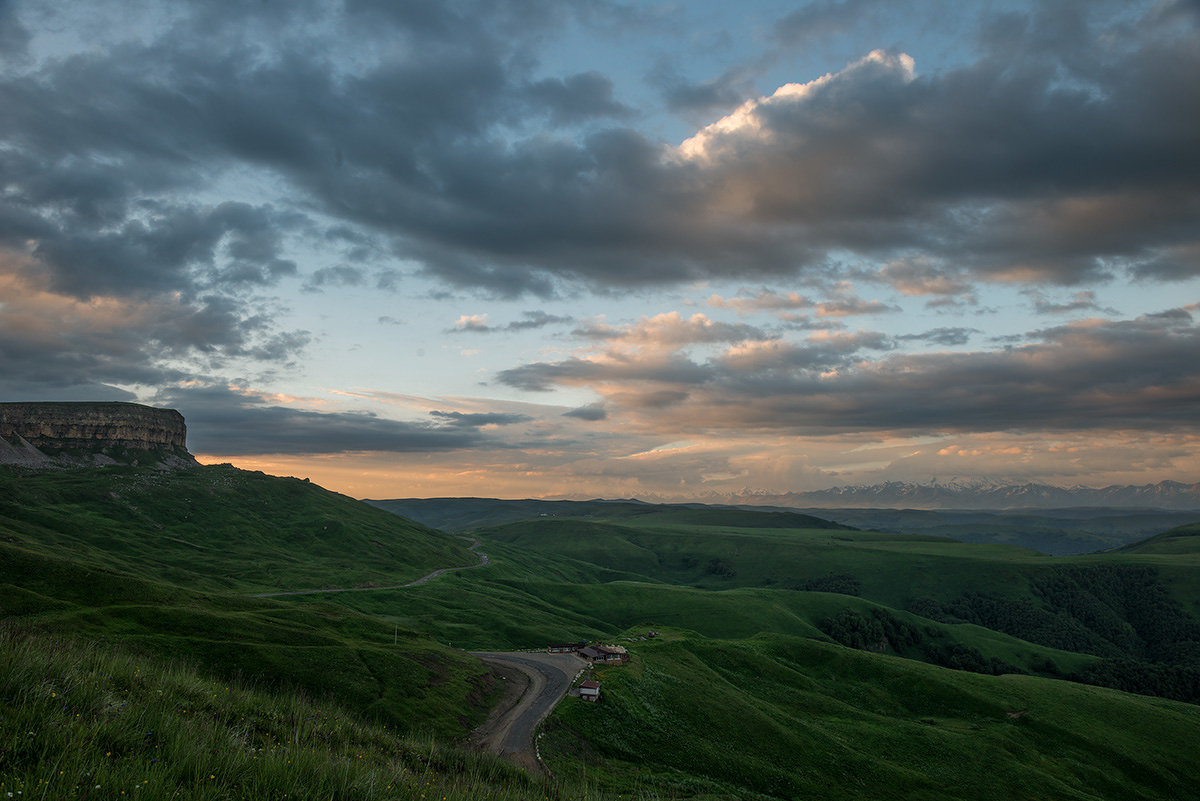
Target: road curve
510, 734
483, 560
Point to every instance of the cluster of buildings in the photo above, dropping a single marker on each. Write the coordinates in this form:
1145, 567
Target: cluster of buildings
602, 654
607, 654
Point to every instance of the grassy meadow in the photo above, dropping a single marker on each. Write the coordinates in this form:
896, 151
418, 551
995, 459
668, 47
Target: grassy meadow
84, 721
786, 717
799, 658
76, 561
217, 528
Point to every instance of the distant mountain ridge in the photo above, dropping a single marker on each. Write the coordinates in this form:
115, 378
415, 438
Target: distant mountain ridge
1170, 495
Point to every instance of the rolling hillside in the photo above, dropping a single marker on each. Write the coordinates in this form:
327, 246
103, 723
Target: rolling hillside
166, 562
784, 717
217, 528
1183, 541
1057, 532
796, 657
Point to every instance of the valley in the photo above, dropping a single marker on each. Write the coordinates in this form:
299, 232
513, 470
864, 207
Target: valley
796, 656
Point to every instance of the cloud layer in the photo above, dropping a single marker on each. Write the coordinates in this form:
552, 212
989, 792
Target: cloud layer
445, 145
1092, 374
671, 262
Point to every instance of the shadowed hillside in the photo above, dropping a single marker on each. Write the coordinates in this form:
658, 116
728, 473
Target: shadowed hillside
218, 527
793, 657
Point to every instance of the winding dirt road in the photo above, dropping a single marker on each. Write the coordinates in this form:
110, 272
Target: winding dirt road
534, 684
483, 560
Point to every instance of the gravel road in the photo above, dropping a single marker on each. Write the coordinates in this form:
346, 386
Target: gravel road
508, 732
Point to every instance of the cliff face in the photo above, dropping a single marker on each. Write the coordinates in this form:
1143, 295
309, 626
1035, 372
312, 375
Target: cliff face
93, 427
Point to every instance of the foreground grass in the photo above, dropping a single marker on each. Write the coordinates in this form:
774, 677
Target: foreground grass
79, 721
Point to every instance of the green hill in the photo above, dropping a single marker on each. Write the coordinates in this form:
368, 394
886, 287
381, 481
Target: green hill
1057, 532
383, 672
166, 564
1181, 541
798, 658
1138, 612
890, 568
783, 717
217, 528
86, 722
464, 514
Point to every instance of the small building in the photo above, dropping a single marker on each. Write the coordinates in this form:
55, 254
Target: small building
590, 691
604, 653
565, 648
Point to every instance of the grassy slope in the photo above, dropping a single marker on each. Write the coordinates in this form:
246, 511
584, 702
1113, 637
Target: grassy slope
1059, 532
1183, 541
218, 528
892, 569
154, 566
461, 514
787, 717
1055, 532
79, 721
542, 588
516, 603
323, 649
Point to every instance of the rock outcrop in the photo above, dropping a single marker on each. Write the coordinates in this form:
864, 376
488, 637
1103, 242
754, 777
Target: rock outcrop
63, 433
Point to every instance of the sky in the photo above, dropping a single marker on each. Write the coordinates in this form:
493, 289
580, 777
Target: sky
601, 249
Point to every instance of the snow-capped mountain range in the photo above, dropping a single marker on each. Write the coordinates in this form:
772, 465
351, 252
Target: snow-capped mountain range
976, 494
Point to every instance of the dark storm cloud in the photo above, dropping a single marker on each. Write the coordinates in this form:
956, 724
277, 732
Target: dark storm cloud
1183, 10
981, 165
717, 95
1079, 302
55, 342
17, 391
477, 419
1069, 162
339, 275
544, 376
13, 35
90, 238
1137, 374
821, 20
577, 98
592, 412
221, 421
537, 319
1171, 264
946, 337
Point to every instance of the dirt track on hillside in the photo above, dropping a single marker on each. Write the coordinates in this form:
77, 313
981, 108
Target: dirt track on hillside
534, 683
483, 560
